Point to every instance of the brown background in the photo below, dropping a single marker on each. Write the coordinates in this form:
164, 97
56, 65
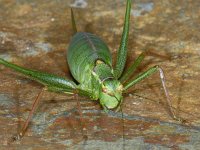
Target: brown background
35, 34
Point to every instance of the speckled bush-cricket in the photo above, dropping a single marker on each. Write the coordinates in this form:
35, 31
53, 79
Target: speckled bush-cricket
90, 64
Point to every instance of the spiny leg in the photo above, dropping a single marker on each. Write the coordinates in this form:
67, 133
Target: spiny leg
35, 104
73, 21
162, 77
132, 68
122, 51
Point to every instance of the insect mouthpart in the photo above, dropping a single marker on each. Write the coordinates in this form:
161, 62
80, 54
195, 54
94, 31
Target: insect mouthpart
110, 101
111, 95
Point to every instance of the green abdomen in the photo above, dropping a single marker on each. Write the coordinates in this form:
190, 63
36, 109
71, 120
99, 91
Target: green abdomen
84, 50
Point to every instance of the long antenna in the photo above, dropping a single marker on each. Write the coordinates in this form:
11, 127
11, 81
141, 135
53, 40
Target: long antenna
122, 116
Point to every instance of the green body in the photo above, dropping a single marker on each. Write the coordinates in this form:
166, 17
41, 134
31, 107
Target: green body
83, 52
90, 63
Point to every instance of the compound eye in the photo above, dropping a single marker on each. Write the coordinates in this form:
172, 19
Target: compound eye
104, 90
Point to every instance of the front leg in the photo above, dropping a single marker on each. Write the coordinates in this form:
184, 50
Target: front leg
162, 77
36, 102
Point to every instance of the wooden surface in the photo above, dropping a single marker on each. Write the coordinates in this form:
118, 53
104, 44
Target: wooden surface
35, 34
